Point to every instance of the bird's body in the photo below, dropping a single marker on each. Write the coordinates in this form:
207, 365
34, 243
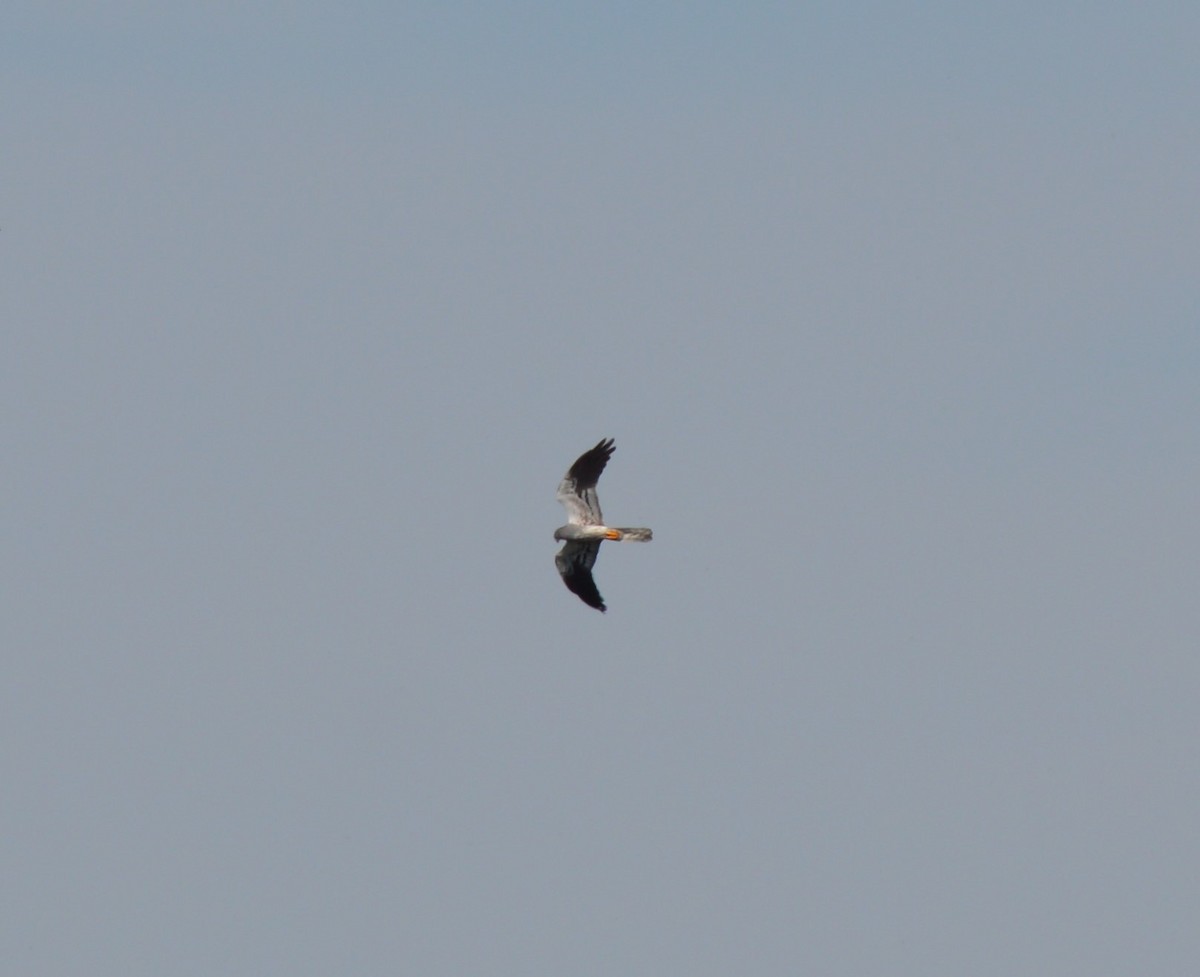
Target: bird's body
585, 529
585, 532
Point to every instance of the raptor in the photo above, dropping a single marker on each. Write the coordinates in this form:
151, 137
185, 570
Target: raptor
585, 529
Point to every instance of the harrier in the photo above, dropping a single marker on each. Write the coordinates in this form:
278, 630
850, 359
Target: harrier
585, 529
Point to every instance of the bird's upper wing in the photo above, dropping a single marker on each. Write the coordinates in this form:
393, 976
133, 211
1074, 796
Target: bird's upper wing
577, 490
575, 561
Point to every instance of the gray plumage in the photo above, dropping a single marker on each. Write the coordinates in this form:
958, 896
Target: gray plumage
585, 528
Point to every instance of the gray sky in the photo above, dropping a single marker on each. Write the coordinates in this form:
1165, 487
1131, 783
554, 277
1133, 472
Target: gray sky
893, 313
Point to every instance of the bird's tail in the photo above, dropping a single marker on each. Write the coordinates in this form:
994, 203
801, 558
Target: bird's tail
638, 535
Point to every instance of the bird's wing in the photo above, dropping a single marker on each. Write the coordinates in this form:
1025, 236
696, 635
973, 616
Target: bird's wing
577, 490
575, 561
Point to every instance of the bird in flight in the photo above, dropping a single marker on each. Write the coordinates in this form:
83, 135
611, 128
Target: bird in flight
585, 529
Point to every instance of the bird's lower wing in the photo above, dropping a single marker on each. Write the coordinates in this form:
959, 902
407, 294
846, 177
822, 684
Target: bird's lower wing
575, 561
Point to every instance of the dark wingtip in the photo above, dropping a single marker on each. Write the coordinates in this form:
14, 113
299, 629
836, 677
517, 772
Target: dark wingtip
593, 599
589, 465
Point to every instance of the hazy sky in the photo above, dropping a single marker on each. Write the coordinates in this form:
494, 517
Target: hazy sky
893, 312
